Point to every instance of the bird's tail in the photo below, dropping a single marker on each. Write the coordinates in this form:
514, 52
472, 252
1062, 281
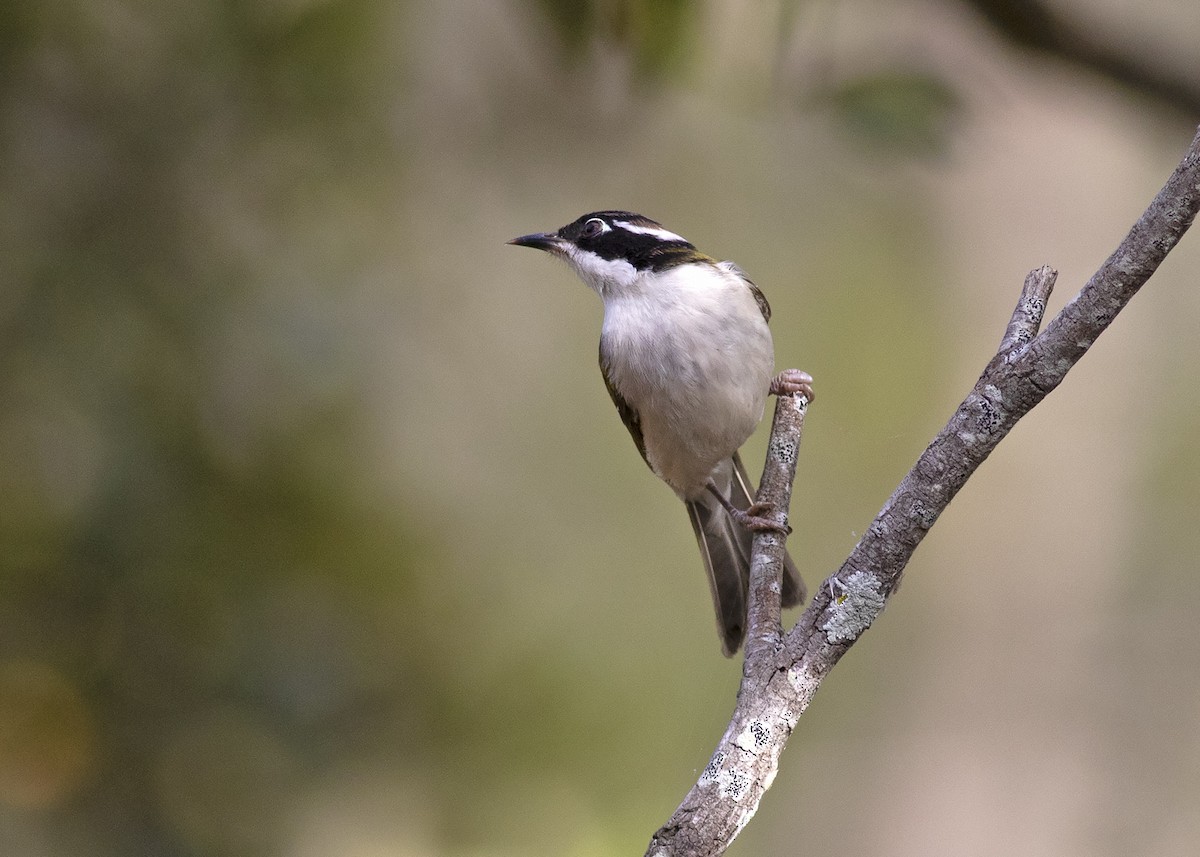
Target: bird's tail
725, 548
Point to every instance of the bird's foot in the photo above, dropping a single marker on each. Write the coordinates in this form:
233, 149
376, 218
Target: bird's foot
791, 381
756, 519
753, 518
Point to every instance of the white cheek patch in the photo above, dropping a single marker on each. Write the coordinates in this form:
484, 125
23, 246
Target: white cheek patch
601, 275
656, 231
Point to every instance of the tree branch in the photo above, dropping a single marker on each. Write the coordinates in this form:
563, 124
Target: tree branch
727, 794
781, 673
1038, 26
766, 567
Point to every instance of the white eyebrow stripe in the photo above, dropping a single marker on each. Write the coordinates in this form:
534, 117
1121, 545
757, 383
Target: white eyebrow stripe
656, 231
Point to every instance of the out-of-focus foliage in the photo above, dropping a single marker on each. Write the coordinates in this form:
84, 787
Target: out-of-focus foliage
194, 588
318, 534
655, 34
898, 113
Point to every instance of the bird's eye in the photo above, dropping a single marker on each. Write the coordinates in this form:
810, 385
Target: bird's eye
593, 227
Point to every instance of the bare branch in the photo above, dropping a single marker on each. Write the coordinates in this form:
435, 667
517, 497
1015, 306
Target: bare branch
779, 473
741, 769
1027, 316
779, 677
1038, 26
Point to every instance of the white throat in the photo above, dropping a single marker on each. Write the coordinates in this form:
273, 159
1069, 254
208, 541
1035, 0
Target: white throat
607, 277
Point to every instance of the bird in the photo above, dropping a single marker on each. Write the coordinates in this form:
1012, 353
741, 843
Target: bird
688, 360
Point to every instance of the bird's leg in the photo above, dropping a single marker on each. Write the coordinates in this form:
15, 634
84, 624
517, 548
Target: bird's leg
792, 381
754, 518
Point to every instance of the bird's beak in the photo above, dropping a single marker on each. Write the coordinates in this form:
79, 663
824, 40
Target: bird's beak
548, 241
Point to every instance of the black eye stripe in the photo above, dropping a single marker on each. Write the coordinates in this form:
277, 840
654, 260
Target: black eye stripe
606, 234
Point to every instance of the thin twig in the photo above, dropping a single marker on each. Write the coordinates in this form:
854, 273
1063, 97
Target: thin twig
779, 474
740, 770
1027, 316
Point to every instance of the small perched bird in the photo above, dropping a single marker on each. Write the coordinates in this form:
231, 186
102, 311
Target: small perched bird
688, 360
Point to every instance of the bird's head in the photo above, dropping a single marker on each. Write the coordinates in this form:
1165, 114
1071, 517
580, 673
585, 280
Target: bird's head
610, 250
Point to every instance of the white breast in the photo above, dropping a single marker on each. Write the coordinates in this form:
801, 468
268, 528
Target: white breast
693, 356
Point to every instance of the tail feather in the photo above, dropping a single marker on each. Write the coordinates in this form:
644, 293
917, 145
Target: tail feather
725, 548
727, 566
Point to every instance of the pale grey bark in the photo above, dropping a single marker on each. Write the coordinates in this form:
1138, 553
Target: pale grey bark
781, 672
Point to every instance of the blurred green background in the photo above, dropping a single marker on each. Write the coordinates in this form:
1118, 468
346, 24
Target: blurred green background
318, 534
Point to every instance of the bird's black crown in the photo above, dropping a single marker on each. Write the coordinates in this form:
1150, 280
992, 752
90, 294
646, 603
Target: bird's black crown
634, 238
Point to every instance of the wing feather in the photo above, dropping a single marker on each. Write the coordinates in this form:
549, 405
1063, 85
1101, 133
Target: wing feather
628, 413
759, 297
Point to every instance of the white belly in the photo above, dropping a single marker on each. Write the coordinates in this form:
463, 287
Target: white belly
694, 360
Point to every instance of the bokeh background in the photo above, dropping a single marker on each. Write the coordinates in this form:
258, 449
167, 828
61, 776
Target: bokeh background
318, 534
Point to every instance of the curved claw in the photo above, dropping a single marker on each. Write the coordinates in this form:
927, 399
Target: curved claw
791, 381
755, 519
